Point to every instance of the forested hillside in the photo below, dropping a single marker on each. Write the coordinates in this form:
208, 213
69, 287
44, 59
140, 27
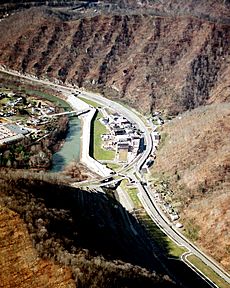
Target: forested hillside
172, 62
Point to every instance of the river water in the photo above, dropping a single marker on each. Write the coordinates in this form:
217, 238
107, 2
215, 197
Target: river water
71, 148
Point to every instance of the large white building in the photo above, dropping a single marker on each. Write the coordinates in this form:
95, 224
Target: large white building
11, 133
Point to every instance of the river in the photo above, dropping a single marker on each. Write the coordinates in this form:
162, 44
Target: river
71, 148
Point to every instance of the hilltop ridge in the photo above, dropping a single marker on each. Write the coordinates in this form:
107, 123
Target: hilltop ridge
151, 62
171, 56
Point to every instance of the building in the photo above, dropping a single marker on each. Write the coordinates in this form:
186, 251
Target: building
10, 133
122, 151
124, 137
5, 132
118, 132
16, 129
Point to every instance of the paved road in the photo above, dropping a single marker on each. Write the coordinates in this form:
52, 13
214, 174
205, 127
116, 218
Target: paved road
144, 192
155, 213
125, 200
184, 257
132, 117
76, 113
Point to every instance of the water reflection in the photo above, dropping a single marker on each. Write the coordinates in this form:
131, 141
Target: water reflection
71, 149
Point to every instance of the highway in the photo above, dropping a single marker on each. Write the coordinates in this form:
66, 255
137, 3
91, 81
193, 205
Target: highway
155, 213
144, 193
147, 199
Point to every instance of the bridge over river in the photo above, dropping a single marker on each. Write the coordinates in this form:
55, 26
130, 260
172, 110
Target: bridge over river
69, 113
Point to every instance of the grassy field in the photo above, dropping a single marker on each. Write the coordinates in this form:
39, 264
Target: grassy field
208, 271
59, 102
4, 101
27, 90
166, 244
113, 166
90, 102
98, 129
98, 152
174, 249
133, 195
132, 191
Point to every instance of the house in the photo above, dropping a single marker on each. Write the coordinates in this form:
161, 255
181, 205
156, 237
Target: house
156, 138
149, 163
5, 132
123, 146
16, 129
10, 134
104, 121
119, 131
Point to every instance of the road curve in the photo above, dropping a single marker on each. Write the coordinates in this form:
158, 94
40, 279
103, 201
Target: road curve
159, 216
191, 266
155, 213
145, 193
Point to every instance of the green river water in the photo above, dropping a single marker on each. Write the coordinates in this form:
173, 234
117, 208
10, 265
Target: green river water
71, 148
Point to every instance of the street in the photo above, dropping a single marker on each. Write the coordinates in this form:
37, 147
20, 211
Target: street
134, 167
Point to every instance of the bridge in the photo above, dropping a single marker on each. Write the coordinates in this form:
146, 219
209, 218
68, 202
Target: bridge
69, 113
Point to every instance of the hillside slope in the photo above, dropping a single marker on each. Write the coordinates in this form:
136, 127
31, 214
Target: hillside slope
165, 55
87, 233
195, 159
19, 262
173, 63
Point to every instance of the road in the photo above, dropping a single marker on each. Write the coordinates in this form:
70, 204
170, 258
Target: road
145, 194
184, 257
132, 117
155, 213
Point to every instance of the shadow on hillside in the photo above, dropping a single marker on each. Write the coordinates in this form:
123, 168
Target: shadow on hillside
73, 219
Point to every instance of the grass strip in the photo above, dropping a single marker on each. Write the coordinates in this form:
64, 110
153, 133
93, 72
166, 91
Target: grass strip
113, 166
98, 129
167, 245
199, 264
132, 191
90, 102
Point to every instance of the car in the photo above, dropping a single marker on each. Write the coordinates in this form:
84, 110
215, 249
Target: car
179, 225
107, 180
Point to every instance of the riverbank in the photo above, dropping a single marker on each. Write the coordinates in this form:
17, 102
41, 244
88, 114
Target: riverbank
86, 120
70, 150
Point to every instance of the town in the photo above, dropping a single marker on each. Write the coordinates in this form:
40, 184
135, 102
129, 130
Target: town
22, 116
123, 137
